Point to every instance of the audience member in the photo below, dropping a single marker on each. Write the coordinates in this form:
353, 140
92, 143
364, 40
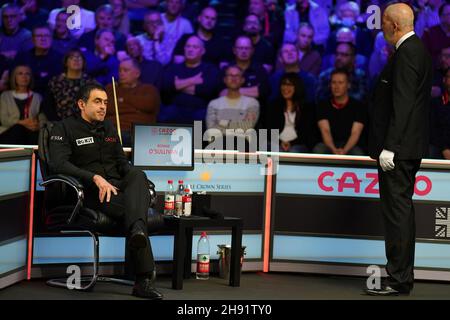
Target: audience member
174, 24
157, 46
440, 123
44, 61
233, 111
189, 86
380, 55
341, 119
438, 37
60, 99
20, 114
151, 71
345, 59
121, 22
292, 116
104, 20
13, 38
87, 18
310, 59
215, 51
103, 64
311, 12
137, 102
63, 40
427, 15
32, 14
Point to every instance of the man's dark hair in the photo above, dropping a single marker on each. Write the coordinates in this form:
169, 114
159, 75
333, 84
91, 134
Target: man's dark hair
351, 45
340, 71
41, 26
85, 92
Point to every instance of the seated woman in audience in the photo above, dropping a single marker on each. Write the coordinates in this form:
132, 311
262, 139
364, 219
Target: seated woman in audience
20, 114
63, 89
291, 116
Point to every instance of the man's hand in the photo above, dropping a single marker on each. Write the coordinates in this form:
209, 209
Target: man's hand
285, 146
446, 154
387, 160
105, 188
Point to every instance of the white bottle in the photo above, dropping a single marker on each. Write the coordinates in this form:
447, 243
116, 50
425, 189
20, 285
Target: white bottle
187, 203
169, 199
203, 257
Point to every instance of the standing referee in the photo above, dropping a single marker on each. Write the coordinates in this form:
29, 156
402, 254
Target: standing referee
398, 140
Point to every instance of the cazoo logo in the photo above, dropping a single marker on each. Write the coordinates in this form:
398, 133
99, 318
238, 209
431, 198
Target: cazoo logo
328, 181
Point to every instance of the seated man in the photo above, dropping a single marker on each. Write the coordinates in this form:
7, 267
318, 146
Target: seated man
87, 147
340, 119
440, 120
138, 102
189, 86
233, 111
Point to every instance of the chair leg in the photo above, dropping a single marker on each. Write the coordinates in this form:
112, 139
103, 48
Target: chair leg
62, 282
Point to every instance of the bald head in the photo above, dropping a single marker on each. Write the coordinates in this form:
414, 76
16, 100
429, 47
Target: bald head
398, 19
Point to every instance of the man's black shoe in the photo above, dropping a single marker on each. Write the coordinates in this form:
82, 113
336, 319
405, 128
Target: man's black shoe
138, 239
144, 289
385, 291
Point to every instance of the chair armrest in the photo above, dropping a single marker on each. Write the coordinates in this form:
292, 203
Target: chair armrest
72, 182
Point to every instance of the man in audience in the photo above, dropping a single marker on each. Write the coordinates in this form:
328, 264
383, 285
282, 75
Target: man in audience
13, 38
311, 12
103, 64
189, 86
63, 40
151, 71
290, 62
438, 37
264, 52
137, 102
87, 18
157, 46
341, 119
233, 111
345, 59
440, 122
32, 14
104, 19
310, 59
174, 24
215, 51
42, 59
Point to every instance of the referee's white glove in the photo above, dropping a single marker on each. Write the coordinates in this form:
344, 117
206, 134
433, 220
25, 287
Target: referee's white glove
387, 160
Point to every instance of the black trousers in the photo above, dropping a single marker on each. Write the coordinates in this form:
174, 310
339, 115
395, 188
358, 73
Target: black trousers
130, 206
18, 134
396, 192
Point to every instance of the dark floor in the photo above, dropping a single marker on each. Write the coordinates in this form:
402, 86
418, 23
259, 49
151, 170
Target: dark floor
254, 286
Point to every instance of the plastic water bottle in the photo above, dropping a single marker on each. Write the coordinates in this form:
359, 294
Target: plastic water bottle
203, 257
169, 199
187, 203
179, 199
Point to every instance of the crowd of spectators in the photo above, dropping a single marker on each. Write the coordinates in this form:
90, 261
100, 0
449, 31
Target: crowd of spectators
304, 67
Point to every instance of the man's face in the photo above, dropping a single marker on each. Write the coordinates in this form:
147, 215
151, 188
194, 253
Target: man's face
106, 40
193, 50
233, 78
289, 54
128, 73
339, 85
344, 56
104, 20
174, 7
252, 25
208, 19
243, 49
95, 108
388, 29
10, 18
305, 37
257, 7
152, 22
42, 38
134, 48
61, 23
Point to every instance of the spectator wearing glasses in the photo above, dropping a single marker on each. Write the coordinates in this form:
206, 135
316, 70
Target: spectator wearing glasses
20, 112
60, 99
44, 61
63, 40
345, 59
13, 38
157, 46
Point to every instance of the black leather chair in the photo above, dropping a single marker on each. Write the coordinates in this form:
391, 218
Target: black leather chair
64, 213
